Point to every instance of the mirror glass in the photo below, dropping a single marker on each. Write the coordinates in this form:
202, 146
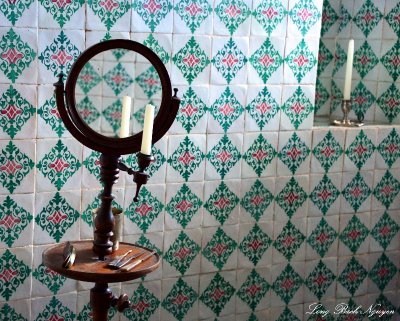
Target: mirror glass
103, 82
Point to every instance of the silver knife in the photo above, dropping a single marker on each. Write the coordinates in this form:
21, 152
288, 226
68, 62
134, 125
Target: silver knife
136, 263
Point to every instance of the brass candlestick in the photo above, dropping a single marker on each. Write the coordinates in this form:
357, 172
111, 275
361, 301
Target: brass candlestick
346, 122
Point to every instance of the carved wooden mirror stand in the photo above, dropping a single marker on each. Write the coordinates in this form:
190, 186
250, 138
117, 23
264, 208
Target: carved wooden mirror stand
92, 257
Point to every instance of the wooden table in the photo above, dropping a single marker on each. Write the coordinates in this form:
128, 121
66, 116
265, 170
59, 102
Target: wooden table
89, 268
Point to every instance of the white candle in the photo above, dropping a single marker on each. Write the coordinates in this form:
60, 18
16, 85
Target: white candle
125, 117
349, 71
147, 130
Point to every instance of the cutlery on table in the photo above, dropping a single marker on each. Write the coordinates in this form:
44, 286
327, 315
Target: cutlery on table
119, 259
127, 260
136, 263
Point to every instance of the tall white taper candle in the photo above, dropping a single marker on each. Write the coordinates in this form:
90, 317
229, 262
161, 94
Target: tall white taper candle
125, 116
349, 71
147, 130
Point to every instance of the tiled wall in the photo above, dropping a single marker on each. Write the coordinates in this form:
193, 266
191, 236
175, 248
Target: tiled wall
375, 27
256, 214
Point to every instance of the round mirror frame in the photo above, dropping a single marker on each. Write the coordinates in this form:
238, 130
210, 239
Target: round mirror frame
110, 145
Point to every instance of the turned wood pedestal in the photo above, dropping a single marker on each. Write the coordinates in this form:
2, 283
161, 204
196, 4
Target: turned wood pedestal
89, 268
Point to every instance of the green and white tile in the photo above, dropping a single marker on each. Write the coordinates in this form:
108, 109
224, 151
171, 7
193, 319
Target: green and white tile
294, 153
184, 205
327, 150
179, 298
63, 306
383, 272
57, 217
356, 191
266, 60
227, 109
387, 102
354, 234
386, 190
106, 17
16, 220
298, 108
287, 287
192, 115
154, 16
263, 108
384, 230
219, 248
49, 122
23, 14
352, 277
223, 156
193, 16
20, 310
232, 17
257, 200
191, 58
58, 165
17, 166
146, 301
320, 280
304, 16
221, 202
186, 158
371, 27
360, 149
291, 312
66, 15
229, 58
217, 294
17, 108
18, 56
289, 241
253, 290
146, 215
46, 282
269, 24
291, 197
325, 194
260, 155
15, 269
322, 237
388, 154
255, 244
301, 61
56, 53
182, 255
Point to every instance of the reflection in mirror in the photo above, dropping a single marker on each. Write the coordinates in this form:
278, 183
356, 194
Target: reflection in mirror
375, 89
105, 80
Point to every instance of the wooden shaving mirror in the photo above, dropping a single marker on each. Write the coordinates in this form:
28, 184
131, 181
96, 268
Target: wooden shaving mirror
112, 147
91, 112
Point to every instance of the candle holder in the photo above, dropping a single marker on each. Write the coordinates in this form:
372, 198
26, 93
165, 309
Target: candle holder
345, 121
139, 177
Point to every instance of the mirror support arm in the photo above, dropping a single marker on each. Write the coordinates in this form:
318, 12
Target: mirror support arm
140, 177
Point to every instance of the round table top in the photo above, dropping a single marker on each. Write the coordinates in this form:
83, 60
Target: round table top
89, 268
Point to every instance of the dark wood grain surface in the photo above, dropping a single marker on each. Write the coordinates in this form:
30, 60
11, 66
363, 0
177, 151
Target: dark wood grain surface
87, 266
